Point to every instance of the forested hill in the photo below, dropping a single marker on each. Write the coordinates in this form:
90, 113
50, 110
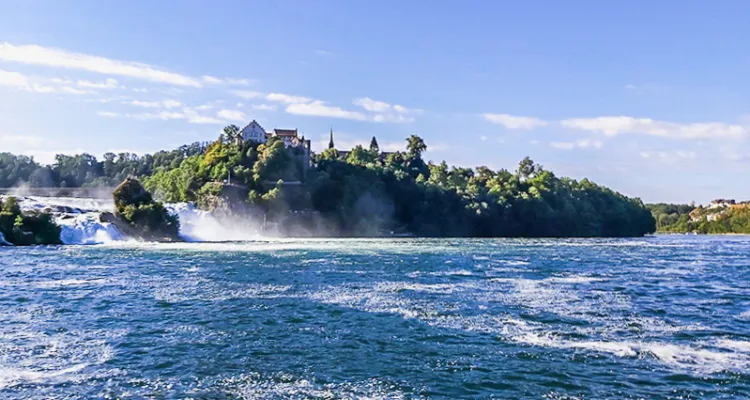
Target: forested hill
361, 192
719, 219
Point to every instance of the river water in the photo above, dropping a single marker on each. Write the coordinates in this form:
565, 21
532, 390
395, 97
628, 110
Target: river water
654, 318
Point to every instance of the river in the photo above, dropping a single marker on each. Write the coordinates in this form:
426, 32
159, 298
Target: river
664, 317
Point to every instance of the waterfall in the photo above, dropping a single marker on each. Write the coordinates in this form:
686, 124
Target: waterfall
79, 219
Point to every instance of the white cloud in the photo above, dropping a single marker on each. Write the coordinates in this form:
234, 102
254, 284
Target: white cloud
13, 79
108, 84
383, 107
171, 103
247, 94
392, 118
613, 126
483, 138
288, 99
232, 115
140, 90
323, 53
373, 105
318, 108
50, 57
264, 107
578, 144
514, 121
212, 80
145, 104
23, 82
204, 107
108, 114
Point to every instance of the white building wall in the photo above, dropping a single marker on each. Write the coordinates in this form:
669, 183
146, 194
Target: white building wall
254, 132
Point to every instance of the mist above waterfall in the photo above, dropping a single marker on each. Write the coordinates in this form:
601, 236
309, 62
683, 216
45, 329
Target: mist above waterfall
80, 221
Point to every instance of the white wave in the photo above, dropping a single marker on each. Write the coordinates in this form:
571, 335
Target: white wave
10, 377
745, 315
69, 282
573, 279
286, 386
512, 263
737, 345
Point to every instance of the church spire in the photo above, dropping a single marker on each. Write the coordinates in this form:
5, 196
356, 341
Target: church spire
330, 142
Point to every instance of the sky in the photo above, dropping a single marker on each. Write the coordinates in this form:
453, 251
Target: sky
650, 98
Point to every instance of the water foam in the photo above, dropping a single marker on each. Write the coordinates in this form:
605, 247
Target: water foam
202, 226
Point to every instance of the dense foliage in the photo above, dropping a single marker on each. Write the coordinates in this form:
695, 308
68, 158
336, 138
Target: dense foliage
84, 170
671, 218
23, 229
146, 218
366, 192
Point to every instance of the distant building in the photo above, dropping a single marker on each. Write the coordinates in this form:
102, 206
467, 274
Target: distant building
721, 203
253, 131
299, 145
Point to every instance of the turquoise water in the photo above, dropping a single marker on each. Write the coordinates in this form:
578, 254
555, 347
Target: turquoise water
653, 318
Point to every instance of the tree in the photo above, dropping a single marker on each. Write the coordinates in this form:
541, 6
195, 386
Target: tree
415, 146
232, 134
374, 145
528, 169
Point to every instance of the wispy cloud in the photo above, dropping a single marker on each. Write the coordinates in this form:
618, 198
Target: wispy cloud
232, 115
383, 107
171, 103
39, 85
287, 99
323, 53
110, 83
669, 156
264, 107
145, 104
387, 112
212, 80
577, 144
613, 126
247, 94
108, 114
318, 108
57, 58
514, 121
13, 79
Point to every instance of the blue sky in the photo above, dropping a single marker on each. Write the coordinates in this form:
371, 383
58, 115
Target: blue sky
650, 98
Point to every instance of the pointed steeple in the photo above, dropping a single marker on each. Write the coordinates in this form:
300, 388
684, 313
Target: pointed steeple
330, 142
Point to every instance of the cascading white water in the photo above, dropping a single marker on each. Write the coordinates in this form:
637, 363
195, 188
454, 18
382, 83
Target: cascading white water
202, 226
79, 219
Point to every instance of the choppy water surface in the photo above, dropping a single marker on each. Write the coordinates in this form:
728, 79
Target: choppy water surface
662, 317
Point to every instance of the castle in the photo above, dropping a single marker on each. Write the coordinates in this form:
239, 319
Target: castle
253, 131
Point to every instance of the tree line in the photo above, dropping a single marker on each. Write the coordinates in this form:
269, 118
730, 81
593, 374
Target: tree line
676, 218
364, 191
